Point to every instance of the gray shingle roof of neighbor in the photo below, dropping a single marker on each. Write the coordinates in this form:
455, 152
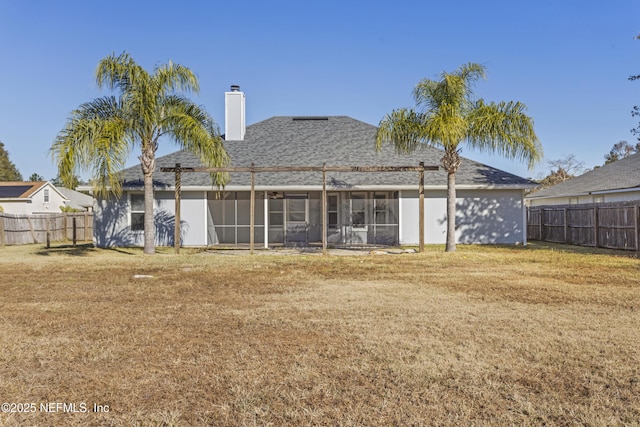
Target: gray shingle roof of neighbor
622, 174
77, 200
314, 141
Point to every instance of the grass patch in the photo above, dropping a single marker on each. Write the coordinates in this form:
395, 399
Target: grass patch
530, 335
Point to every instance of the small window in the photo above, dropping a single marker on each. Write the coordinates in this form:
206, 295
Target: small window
332, 210
46, 195
358, 210
137, 212
276, 213
296, 210
381, 208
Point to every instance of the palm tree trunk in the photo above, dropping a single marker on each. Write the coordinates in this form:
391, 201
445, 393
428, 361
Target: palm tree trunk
148, 164
149, 226
451, 162
451, 212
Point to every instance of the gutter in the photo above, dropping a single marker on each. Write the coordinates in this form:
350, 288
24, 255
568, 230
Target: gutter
332, 188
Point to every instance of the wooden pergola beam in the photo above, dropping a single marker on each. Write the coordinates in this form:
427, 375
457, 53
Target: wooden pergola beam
305, 169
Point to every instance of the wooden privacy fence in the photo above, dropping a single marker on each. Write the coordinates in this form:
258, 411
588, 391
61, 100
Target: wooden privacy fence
45, 228
602, 225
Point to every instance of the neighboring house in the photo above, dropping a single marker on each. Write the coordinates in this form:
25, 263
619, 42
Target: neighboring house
362, 208
76, 200
26, 198
614, 182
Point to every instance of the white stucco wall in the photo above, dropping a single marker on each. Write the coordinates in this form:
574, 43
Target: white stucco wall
113, 220
111, 223
482, 216
193, 212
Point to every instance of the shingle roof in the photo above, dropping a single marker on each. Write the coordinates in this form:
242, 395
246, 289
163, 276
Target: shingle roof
313, 141
76, 199
622, 174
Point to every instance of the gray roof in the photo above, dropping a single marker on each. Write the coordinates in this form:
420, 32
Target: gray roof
314, 141
618, 175
77, 200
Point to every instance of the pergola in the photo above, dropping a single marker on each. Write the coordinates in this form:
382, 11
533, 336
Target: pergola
178, 170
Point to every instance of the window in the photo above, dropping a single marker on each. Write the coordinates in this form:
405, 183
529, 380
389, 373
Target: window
276, 213
137, 212
380, 207
296, 210
358, 210
46, 195
332, 211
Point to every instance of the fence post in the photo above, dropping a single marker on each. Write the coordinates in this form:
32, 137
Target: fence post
86, 226
1, 231
48, 233
33, 233
596, 231
636, 212
73, 220
566, 226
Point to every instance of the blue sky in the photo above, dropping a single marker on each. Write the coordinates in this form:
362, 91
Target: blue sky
568, 61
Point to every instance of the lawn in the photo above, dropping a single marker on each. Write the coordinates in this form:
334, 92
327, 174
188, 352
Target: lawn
487, 335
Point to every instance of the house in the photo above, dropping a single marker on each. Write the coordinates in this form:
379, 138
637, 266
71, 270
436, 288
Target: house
26, 198
362, 208
614, 182
76, 200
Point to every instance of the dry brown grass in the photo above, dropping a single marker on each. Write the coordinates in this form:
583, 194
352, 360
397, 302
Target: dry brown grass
487, 335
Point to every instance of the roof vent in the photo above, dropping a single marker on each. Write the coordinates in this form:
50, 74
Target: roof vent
311, 118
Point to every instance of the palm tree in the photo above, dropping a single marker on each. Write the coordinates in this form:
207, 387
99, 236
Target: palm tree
447, 114
100, 134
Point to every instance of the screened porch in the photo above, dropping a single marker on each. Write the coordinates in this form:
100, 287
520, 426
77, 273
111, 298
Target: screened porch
354, 218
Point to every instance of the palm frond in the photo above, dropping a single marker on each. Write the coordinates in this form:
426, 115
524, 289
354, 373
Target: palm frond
445, 130
191, 127
174, 77
94, 140
120, 72
471, 72
403, 128
452, 94
506, 129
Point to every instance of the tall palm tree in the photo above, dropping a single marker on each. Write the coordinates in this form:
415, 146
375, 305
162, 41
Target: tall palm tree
447, 114
100, 134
